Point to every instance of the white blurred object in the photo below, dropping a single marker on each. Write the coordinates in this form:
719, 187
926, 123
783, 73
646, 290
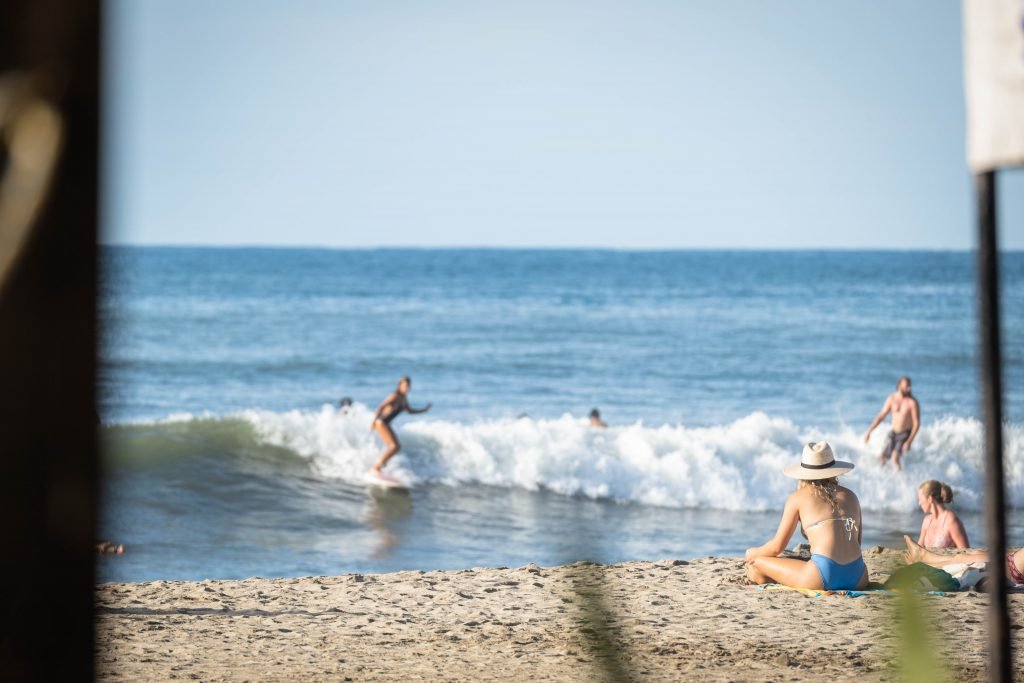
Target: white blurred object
994, 83
967, 573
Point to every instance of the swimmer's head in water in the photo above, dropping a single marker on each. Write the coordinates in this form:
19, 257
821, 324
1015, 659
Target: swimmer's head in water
903, 385
594, 413
345, 402
405, 382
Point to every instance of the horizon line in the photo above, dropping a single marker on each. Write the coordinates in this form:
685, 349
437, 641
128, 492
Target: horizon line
324, 247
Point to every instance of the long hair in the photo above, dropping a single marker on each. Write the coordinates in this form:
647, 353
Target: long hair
826, 489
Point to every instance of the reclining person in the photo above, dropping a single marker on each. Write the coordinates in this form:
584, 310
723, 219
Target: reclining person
917, 553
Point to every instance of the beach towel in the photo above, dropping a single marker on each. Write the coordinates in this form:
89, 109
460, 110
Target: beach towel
873, 589
818, 593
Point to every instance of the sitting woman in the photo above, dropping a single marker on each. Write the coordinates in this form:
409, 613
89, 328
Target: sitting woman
941, 528
830, 516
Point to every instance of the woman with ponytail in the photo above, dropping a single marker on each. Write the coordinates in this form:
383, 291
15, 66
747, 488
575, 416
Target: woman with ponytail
941, 528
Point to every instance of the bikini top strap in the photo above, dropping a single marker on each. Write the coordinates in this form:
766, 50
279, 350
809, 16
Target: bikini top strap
849, 523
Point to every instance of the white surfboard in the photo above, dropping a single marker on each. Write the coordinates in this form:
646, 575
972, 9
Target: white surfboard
386, 480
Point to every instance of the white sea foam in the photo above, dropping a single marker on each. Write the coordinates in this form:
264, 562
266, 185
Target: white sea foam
736, 466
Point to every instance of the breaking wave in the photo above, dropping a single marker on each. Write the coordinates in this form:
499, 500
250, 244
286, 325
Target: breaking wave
734, 466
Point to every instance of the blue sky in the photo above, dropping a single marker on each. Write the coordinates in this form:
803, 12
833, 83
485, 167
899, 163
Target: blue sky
647, 124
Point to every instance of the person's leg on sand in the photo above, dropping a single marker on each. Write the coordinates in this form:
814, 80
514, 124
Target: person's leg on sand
785, 570
918, 553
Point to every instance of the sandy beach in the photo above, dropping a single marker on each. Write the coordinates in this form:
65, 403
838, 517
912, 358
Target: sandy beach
663, 620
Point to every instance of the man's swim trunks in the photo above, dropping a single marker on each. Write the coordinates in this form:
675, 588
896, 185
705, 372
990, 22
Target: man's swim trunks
894, 443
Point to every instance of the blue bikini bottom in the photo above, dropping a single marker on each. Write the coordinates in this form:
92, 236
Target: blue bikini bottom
838, 577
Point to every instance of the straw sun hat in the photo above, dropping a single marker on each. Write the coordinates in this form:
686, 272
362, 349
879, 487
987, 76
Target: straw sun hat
817, 462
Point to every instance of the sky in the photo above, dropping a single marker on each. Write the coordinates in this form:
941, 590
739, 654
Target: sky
648, 124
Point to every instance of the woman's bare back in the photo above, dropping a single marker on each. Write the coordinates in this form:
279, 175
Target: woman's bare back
826, 528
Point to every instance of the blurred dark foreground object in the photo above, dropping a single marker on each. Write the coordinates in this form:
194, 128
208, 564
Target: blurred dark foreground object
49, 161
921, 577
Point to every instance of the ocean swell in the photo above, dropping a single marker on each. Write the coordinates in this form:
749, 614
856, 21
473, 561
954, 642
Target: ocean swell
734, 466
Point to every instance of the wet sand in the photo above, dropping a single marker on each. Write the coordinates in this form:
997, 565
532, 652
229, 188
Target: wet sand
664, 620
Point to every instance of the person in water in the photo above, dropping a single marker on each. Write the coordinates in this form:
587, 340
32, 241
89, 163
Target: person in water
916, 553
834, 531
596, 421
387, 411
108, 548
906, 421
941, 528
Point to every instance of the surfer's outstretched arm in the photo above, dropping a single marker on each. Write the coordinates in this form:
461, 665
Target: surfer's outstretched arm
417, 410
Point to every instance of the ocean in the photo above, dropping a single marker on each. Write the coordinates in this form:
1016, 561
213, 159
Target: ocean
226, 455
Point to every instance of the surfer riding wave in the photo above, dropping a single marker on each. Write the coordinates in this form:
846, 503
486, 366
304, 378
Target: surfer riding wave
387, 411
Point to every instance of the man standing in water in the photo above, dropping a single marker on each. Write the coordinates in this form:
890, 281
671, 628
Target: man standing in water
387, 411
906, 420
